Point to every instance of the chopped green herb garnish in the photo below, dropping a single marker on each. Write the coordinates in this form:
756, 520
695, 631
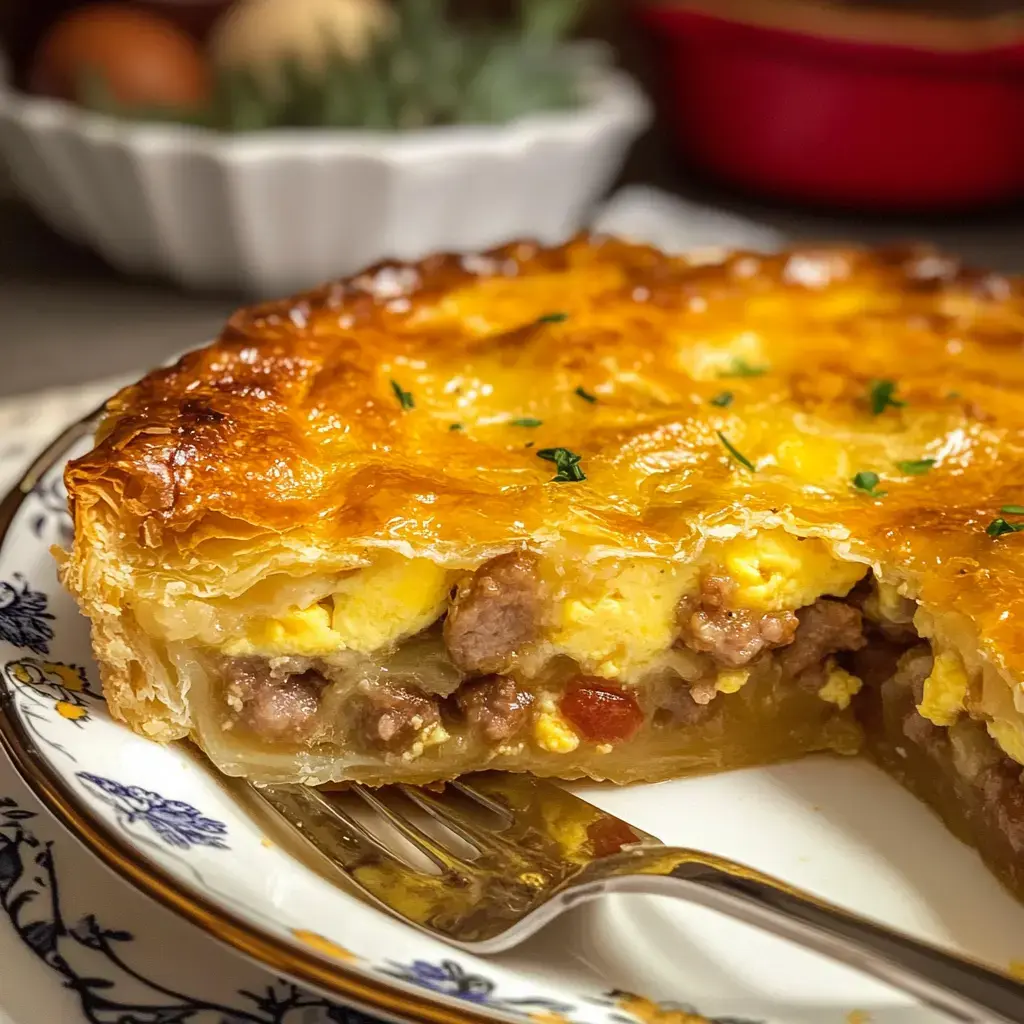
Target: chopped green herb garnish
1013, 510
915, 467
880, 395
586, 395
736, 453
553, 318
566, 462
525, 421
741, 368
405, 398
455, 426
722, 399
1000, 526
953, 394
867, 482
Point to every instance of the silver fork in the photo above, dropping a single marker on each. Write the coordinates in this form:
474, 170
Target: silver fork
510, 852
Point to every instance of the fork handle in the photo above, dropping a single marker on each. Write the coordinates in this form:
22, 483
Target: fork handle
959, 988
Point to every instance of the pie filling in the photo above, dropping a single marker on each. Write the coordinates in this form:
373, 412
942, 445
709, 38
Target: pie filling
532, 662
634, 669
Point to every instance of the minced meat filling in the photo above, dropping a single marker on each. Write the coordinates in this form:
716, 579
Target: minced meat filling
392, 718
275, 706
282, 700
826, 627
496, 611
732, 637
962, 758
494, 707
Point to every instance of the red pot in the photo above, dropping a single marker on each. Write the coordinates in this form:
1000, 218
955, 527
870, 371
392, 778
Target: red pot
842, 107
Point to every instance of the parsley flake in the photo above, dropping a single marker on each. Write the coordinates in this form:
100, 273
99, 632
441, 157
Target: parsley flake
525, 421
867, 482
741, 368
405, 399
880, 395
723, 399
1000, 526
455, 426
553, 318
566, 462
736, 453
1013, 510
586, 395
916, 467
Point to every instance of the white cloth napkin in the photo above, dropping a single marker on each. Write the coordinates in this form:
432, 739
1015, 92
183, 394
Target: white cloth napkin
646, 214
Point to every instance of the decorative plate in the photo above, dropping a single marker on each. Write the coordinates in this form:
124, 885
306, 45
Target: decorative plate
169, 827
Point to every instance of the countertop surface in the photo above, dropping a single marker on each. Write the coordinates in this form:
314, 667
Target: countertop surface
67, 319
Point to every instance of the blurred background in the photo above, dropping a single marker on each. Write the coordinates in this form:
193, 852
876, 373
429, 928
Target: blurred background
162, 162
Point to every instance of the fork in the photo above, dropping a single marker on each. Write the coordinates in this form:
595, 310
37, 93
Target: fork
500, 855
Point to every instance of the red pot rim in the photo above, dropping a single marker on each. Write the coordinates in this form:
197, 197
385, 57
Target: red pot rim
993, 45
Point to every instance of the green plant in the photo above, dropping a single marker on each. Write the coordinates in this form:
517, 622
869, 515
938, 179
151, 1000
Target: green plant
428, 72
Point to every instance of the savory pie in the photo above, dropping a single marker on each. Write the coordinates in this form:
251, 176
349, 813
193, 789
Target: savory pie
583, 511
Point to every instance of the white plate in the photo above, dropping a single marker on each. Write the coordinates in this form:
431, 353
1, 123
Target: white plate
77, 944
839, 828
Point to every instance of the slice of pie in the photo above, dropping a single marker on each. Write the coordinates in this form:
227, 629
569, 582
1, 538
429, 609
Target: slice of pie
586, 511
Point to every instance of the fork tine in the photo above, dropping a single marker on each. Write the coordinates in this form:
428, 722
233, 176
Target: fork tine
482, 839
419, 839
327, 826
481, 798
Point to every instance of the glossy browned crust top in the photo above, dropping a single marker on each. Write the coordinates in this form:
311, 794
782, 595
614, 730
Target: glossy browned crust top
289, 424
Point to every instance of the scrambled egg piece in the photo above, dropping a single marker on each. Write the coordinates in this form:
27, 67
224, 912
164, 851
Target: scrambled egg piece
372, 608
433, 736
889, 604
552, 732
731, 679
304, 631
944, 689
393, 598
776, 571
1005, 724
616, 626
840, 686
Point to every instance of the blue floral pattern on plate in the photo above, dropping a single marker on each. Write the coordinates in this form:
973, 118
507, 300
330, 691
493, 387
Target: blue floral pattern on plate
114, 990
24, 619
176, 822
451, 979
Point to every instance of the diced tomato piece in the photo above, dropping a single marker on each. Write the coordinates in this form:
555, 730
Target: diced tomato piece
601, 711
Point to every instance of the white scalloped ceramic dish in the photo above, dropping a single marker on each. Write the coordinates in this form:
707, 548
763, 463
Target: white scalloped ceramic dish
167, 826
281, 210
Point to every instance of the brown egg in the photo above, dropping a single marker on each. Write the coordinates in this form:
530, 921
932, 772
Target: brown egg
143, 59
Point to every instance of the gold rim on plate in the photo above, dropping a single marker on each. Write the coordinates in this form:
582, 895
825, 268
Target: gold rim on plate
334, 978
